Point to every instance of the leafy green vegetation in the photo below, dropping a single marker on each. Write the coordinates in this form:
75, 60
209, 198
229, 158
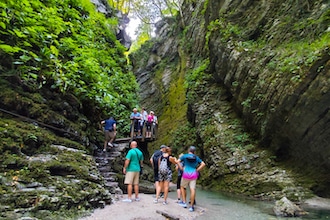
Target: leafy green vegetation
294, 56
182, 138
62, 70
226, 30
196, 78
69, 47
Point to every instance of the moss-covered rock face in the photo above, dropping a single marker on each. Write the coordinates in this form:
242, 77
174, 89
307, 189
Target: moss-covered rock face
252, 102
40, 179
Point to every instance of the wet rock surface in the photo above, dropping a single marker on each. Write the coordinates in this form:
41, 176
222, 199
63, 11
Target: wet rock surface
286, 208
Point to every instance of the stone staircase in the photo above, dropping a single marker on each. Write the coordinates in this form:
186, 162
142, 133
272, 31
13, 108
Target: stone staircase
110, 162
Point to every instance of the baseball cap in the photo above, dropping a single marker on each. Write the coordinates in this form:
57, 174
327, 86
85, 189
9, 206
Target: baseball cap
162, 146
192, 149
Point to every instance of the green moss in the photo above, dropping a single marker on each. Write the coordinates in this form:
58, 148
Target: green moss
174, 102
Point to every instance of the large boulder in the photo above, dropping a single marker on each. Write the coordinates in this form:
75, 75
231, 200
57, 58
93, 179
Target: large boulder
286, 208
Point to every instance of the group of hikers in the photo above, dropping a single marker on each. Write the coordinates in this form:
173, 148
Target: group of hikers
139, 120
188, 166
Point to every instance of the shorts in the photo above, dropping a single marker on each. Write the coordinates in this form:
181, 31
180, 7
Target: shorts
149, 126
187, 182
165, 176
132, 178
156, 177
109, 135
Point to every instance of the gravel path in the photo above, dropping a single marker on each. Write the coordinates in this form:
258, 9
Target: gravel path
145, 209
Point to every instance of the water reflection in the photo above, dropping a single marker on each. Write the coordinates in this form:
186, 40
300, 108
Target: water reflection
225, 207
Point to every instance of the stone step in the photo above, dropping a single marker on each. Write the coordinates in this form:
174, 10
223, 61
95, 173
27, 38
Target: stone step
107, 155
110, 179
105, 159
108, 174
111, 184
104, 169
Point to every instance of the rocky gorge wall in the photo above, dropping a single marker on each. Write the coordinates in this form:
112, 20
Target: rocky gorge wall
280, 87
255, 87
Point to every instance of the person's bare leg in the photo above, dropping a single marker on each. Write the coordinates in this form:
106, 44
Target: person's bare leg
192, 196
129, 191
166, 186
178, 192
160, 187
136, 190
105, 145
183, 193
157, 186
112, 138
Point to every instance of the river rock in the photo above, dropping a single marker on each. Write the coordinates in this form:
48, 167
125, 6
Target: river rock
286, 208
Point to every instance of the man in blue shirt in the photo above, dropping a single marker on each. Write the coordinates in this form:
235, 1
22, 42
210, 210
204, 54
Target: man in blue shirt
136, 117
110, 131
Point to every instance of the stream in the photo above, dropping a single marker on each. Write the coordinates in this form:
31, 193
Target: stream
225, 207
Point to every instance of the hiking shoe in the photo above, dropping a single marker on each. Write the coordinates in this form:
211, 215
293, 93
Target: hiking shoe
191, 209
180, 202
156, 201
183, 204
137, 199
127, 200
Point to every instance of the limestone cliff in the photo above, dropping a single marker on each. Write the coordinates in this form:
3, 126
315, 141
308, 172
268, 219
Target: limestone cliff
252, 79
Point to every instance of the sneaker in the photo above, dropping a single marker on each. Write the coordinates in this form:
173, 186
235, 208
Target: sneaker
165, 203
161, 195
191, 209
183, 204
156, 201
110, 145
137, 199
104, 150
127, 200
180, 202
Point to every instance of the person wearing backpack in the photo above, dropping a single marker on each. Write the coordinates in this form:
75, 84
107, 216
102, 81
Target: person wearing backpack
165, 174
192, 165
154, 163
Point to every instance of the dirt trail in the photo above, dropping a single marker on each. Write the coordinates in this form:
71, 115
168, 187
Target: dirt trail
145, 209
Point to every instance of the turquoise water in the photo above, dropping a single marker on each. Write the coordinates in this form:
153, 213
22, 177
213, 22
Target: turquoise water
223, 207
